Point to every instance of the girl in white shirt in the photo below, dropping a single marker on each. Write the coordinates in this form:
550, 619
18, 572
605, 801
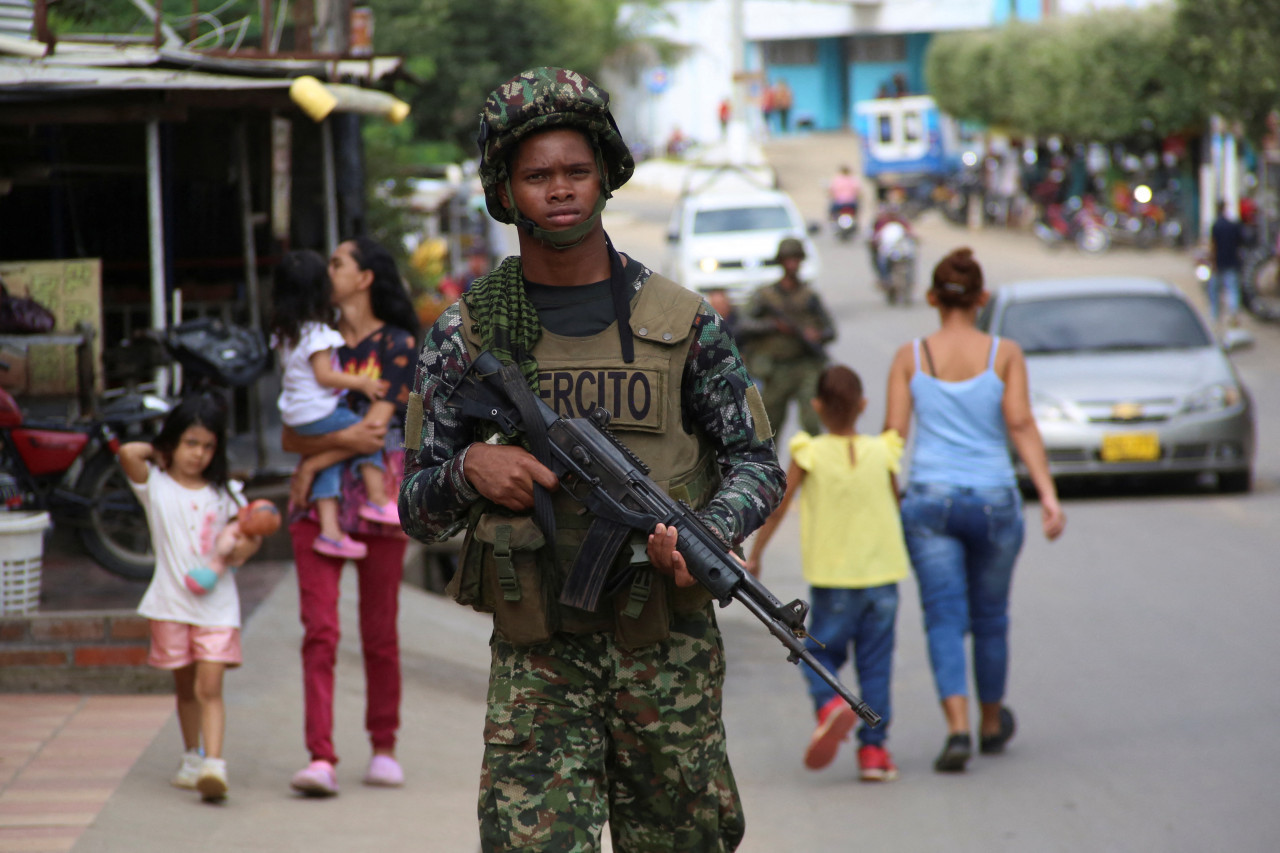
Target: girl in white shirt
310, 401
181, 481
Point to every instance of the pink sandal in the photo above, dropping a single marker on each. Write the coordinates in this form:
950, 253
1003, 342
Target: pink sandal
385, 514
346, 547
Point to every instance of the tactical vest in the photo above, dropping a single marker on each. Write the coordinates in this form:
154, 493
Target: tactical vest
506, 566
775, 347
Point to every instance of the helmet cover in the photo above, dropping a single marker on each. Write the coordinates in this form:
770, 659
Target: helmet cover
790, 247
543, 99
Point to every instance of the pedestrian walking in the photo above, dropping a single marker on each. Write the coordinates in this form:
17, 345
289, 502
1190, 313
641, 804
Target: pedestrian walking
784, 331
853, 557
1226, 238
180, 478
615, 714
311, 391
782, 100
768, 105
379, 331
962, 511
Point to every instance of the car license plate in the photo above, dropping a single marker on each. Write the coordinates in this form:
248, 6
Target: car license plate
1130, 447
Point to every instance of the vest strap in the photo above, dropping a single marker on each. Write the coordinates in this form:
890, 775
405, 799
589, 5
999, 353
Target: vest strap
641, 589
502, 559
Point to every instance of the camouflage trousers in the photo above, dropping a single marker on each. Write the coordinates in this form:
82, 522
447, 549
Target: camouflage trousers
580, 731
793, 379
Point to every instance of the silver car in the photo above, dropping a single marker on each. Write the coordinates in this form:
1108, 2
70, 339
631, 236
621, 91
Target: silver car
1126, 378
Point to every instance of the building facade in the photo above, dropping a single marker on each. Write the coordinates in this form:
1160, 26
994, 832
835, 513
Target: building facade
830, 54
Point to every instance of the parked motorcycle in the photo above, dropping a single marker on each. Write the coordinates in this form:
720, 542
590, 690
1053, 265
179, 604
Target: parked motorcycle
953, 195
1077, 222
1132, 229
72, 470
1260, 284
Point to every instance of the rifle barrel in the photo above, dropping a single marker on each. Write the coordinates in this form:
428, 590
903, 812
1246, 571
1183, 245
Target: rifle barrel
800, 653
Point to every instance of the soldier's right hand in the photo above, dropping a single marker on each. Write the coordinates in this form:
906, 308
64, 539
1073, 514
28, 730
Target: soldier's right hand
505, 474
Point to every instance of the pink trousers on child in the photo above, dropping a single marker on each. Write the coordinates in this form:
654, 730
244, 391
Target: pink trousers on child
378, 576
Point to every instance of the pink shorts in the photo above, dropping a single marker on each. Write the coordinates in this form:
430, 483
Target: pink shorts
177, 644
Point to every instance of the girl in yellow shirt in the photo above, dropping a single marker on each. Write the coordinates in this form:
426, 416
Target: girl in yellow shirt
853, 556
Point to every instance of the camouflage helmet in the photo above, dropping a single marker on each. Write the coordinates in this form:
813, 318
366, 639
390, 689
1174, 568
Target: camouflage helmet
790, 247
542, 99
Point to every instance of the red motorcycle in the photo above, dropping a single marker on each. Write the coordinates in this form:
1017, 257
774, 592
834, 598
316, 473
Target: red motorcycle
72, 470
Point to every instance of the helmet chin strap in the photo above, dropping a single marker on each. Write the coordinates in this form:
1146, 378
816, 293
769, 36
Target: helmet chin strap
569, 237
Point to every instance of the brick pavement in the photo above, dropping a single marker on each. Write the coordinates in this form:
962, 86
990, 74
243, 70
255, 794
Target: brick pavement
61, 759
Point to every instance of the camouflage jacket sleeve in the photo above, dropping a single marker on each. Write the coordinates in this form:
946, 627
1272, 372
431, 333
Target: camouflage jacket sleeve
434, 496
715, 398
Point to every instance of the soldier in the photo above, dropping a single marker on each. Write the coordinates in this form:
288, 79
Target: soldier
612, 715
784, 335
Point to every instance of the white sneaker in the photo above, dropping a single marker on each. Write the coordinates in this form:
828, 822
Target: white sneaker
212, 783
188, 771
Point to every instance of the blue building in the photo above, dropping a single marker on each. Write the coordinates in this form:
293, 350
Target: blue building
831, 54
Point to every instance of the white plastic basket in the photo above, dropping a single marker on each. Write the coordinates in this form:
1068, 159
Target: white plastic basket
21, 553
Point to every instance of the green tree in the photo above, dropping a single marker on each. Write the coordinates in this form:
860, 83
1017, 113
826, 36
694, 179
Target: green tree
456, 51
1232, 50
1117, 76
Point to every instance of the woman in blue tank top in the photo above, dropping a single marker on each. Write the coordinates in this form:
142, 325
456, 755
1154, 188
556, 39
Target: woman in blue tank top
962, 511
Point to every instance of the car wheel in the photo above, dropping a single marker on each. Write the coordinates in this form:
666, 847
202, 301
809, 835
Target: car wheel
1235, 482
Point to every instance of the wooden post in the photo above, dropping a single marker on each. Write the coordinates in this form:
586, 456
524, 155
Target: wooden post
304, 21
250, 279
265, 6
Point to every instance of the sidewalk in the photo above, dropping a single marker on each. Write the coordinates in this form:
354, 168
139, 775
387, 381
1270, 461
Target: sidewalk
92, 773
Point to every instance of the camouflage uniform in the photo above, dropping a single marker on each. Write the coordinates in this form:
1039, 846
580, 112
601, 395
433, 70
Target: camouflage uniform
580, 728
787, 364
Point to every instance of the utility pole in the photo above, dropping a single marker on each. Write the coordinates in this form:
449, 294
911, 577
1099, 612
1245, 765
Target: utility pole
738, 131
737, 63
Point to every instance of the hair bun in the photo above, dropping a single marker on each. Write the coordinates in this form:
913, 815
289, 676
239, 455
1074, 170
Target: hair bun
957, 279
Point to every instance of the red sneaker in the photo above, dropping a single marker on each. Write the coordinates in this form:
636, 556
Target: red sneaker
835, 720
875, 764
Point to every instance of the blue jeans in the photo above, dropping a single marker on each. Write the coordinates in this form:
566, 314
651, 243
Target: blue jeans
963, 543
328, 483
863, 619
1228, 280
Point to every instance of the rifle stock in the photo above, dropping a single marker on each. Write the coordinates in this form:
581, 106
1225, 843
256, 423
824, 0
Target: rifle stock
613, 483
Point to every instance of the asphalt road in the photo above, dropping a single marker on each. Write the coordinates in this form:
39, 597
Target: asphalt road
1143, 641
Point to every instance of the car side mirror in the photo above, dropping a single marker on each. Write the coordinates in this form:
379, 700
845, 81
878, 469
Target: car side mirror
673, 236
813, 228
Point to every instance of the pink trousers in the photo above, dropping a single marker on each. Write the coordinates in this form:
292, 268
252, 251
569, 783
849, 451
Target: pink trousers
378, 576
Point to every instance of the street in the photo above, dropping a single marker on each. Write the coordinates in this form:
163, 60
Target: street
1140, 640
1141, 651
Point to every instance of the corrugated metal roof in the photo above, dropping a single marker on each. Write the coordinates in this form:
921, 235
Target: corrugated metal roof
21, 74
17, 18
26, 81
134, 55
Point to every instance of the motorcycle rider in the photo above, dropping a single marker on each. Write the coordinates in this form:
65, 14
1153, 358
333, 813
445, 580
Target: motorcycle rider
889, 212
844, 190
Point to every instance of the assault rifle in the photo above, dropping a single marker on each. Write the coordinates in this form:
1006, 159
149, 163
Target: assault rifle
813, 348
613, 484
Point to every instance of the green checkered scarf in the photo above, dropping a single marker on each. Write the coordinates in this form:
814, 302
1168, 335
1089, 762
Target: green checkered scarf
504, 318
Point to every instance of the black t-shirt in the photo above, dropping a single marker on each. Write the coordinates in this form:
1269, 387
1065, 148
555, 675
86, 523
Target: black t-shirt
1227, 237
582, 310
